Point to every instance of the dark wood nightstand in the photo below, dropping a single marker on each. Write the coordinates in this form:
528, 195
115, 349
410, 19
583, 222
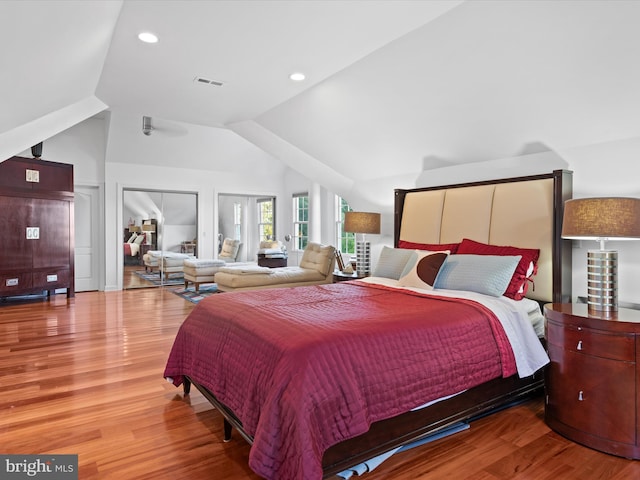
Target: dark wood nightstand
263, 261
592, 391
339, 276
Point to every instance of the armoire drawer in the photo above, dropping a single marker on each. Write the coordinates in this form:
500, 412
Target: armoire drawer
12, 283
49, 279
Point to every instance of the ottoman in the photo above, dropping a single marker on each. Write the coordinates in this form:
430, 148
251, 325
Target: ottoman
199, 271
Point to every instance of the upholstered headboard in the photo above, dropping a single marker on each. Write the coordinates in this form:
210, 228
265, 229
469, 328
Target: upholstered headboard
524, 212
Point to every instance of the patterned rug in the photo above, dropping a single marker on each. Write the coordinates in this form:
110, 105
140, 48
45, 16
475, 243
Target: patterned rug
191, 295
154, 277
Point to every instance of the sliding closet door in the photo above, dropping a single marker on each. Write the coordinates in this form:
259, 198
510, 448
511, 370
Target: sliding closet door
167, 223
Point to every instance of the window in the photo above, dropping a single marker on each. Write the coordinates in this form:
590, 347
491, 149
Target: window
300, 221
346, 241
237, 220
266, 230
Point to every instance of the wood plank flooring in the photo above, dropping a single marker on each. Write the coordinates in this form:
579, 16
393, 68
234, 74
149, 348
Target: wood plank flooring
84, 376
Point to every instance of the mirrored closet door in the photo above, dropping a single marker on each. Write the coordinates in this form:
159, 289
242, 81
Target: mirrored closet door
157, 225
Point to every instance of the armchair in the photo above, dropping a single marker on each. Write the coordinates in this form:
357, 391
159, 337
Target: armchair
230, 250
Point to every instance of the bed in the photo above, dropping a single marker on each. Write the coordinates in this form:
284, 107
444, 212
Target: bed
132, 248
314, 396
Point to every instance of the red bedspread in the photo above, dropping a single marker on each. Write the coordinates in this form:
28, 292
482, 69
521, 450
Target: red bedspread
305, 368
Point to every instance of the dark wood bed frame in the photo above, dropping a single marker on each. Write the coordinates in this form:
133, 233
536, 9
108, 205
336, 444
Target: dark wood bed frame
483, 399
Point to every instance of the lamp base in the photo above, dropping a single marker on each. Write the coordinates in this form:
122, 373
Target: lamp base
363, 258
602, 280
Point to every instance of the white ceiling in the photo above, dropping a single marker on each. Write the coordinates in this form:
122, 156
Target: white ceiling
250, 46
393, 87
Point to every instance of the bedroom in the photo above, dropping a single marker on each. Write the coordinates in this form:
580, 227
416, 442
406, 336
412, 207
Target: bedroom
572, 107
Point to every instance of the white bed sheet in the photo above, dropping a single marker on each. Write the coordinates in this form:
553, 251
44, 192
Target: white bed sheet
515, 316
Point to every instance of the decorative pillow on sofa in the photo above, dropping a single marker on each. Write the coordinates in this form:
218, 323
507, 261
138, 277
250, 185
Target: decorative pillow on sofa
392, 262
526, 269
432, 247
422, 269
132, 238
486, 274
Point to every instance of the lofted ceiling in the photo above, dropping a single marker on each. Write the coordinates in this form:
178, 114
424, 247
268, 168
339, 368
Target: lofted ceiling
393, 87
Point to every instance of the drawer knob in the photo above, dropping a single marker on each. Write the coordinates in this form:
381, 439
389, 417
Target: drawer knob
579, 347
580, 397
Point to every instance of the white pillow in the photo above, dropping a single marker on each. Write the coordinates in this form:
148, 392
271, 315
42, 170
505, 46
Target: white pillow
132, 237
422, 269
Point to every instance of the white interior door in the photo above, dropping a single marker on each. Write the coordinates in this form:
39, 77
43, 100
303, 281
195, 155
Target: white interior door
87, 239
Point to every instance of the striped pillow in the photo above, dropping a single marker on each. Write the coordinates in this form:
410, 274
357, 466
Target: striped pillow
391, 262
486, 274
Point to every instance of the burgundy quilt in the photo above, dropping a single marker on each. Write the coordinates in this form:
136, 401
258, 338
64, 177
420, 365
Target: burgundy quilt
305, 368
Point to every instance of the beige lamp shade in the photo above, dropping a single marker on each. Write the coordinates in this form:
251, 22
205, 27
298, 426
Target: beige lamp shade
134, 228
614, 218
362, 222
601, 219
148, 228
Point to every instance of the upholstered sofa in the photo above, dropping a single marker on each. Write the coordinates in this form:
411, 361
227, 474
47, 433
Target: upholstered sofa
316, 267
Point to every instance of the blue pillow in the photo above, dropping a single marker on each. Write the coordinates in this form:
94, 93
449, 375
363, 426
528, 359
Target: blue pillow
392, 262
486, 274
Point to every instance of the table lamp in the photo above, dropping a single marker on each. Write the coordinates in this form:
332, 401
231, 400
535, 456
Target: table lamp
602, 219
362, 222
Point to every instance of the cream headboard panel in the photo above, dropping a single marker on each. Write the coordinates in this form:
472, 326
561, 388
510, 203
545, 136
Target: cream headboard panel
523, 212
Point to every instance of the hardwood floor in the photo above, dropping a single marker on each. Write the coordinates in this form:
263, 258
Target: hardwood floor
84, 376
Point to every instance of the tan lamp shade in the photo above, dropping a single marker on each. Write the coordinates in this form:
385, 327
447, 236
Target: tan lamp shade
134, 228
148, 228
615, 218
362, 222
601, 219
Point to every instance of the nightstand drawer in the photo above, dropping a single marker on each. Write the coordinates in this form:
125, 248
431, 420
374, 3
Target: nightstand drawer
616, 346
592, 394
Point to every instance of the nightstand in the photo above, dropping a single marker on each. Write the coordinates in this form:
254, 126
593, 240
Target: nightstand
593, 382
263, 261
339, 276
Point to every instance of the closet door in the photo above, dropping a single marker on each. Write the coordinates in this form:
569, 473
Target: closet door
15, 251
51, 250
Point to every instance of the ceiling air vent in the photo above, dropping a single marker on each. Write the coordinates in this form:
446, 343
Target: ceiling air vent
208, 81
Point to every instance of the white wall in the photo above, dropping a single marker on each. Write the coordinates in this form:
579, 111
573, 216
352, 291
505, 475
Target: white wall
134, 160
605, 169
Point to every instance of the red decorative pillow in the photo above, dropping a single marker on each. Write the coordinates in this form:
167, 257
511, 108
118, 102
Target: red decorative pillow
432, 247
527, 267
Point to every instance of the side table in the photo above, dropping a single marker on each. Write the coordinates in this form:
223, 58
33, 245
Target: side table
339, 276
264, 261
592, 393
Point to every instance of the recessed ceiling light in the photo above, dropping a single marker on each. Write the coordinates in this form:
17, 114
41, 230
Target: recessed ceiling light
297, 77
148, 37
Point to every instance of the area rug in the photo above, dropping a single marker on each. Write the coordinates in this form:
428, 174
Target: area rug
191, 295
154, 277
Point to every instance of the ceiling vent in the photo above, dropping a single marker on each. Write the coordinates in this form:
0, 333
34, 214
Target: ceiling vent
208, 81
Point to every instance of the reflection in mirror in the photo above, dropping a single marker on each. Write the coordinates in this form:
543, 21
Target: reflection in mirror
248, 218
160, 230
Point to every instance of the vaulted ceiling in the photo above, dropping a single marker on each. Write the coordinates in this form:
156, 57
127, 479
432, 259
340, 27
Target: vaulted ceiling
393, 88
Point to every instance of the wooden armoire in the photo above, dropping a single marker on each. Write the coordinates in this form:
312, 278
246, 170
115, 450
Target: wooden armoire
36, 227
